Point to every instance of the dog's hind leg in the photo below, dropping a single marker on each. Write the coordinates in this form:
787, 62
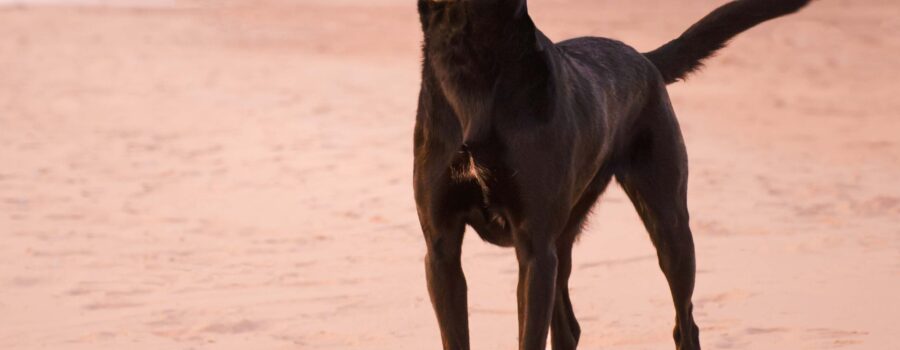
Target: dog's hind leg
564, 329
535, 239
654, 175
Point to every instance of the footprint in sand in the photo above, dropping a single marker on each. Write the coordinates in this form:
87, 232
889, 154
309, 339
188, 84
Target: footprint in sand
24, 282
242, 326
880, 205
836, 337
722, 298
111, 305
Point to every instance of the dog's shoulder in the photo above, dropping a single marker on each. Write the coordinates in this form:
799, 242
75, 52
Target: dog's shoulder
600, 50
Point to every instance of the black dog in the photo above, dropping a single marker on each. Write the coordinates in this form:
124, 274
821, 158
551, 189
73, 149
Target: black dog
517, 137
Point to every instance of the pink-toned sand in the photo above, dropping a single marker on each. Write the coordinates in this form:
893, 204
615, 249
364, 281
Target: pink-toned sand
237, 176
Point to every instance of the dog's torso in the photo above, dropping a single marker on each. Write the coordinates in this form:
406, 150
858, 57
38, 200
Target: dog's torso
490, 127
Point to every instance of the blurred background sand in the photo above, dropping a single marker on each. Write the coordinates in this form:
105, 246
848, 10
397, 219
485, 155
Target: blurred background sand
237, 174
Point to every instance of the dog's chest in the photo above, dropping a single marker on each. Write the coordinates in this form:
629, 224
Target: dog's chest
483, 167
466, 169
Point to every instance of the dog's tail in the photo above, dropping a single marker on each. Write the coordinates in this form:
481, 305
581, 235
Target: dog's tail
679, 57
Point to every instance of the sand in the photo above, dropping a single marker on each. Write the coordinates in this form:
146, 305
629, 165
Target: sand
237, 175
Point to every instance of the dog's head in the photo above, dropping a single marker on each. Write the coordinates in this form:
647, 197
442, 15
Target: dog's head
452, 12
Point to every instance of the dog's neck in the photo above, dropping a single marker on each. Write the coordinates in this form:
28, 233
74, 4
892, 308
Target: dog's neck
471, 45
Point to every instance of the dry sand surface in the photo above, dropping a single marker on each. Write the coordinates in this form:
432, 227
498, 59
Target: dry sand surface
237, 175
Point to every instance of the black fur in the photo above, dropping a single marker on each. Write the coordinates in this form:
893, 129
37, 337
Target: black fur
517, 137
681, 56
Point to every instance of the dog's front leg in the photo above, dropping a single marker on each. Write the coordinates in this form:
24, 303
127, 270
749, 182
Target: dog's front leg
538, 262
447, 284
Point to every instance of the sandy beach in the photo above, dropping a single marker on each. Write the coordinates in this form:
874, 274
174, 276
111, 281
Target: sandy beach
237, 175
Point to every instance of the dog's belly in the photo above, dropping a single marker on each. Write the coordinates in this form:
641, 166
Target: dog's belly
486, 214
491, 225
